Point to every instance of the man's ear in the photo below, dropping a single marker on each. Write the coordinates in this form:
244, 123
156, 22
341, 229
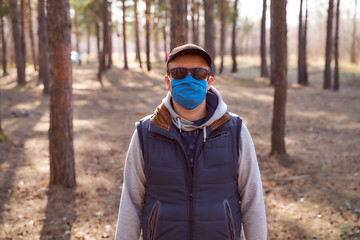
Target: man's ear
211, 79
167, 82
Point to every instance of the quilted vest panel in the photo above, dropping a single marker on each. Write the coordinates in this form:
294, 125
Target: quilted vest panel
181, 204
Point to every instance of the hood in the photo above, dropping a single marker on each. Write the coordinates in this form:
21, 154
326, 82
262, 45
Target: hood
215, 104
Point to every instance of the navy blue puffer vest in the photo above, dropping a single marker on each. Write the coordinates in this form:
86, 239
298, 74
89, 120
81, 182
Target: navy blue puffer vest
181, 204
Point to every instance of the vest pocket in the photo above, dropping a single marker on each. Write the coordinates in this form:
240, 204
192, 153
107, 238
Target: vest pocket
229, 220
152, 222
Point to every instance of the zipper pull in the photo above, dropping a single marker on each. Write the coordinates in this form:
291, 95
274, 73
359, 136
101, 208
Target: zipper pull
191, 197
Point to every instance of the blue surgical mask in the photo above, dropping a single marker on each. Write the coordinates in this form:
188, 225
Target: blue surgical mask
188, 92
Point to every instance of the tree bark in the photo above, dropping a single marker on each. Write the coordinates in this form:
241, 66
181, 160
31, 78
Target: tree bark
147, 26
97, 28
336, 53
178, 23
327, 71
20, 67
181, 22
3, 42
124, 36
305, 71
62, 166
353, 52
300, 79
137, 43
31, 35
209, 30
233, 38
272, 43
279, 74
194, 21
105, 49
44, 75
223, 32
22, 32
109, 63
264, 67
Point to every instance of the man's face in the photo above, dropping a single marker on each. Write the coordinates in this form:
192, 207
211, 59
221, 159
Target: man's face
188, 61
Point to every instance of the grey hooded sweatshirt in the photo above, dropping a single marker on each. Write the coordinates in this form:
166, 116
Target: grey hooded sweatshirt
249, 180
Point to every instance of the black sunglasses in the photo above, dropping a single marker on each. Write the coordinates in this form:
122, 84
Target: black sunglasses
181, 73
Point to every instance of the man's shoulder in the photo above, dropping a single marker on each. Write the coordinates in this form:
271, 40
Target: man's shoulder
144, 120
234, 119
233, 115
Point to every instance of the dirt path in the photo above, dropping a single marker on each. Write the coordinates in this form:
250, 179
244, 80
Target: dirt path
313, 193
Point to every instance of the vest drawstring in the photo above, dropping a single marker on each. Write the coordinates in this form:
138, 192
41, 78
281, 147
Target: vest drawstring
204, 129
179, 123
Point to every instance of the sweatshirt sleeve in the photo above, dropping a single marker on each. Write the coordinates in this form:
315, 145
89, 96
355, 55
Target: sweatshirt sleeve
133, 192
250, 190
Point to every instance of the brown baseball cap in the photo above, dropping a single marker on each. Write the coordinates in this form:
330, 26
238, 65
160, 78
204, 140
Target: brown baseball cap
189, 49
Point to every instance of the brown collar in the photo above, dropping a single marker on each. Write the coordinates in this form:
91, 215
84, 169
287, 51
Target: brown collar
162, 119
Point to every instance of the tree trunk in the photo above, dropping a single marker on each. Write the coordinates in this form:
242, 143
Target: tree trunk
105, 49
197, 25
194, 21
336, 53
223, 32
137, 44
279, 74
3, 42
44, 75
272, 43
109, 63
75, 27
97, 28
22, 32
147, 14
305, 71
327, 72
178, 23
20, 67
209, 30
124, 35
62, 166
31, 35
300, 47
181, 22
264, 67
353, 52
233, 39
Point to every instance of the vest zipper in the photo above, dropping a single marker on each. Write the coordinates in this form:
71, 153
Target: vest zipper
229, 221
152, 222
191, 195
191, 215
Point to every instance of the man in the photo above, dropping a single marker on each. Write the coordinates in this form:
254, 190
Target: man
191, 170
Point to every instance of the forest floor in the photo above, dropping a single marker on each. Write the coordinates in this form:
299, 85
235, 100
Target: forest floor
311, 193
